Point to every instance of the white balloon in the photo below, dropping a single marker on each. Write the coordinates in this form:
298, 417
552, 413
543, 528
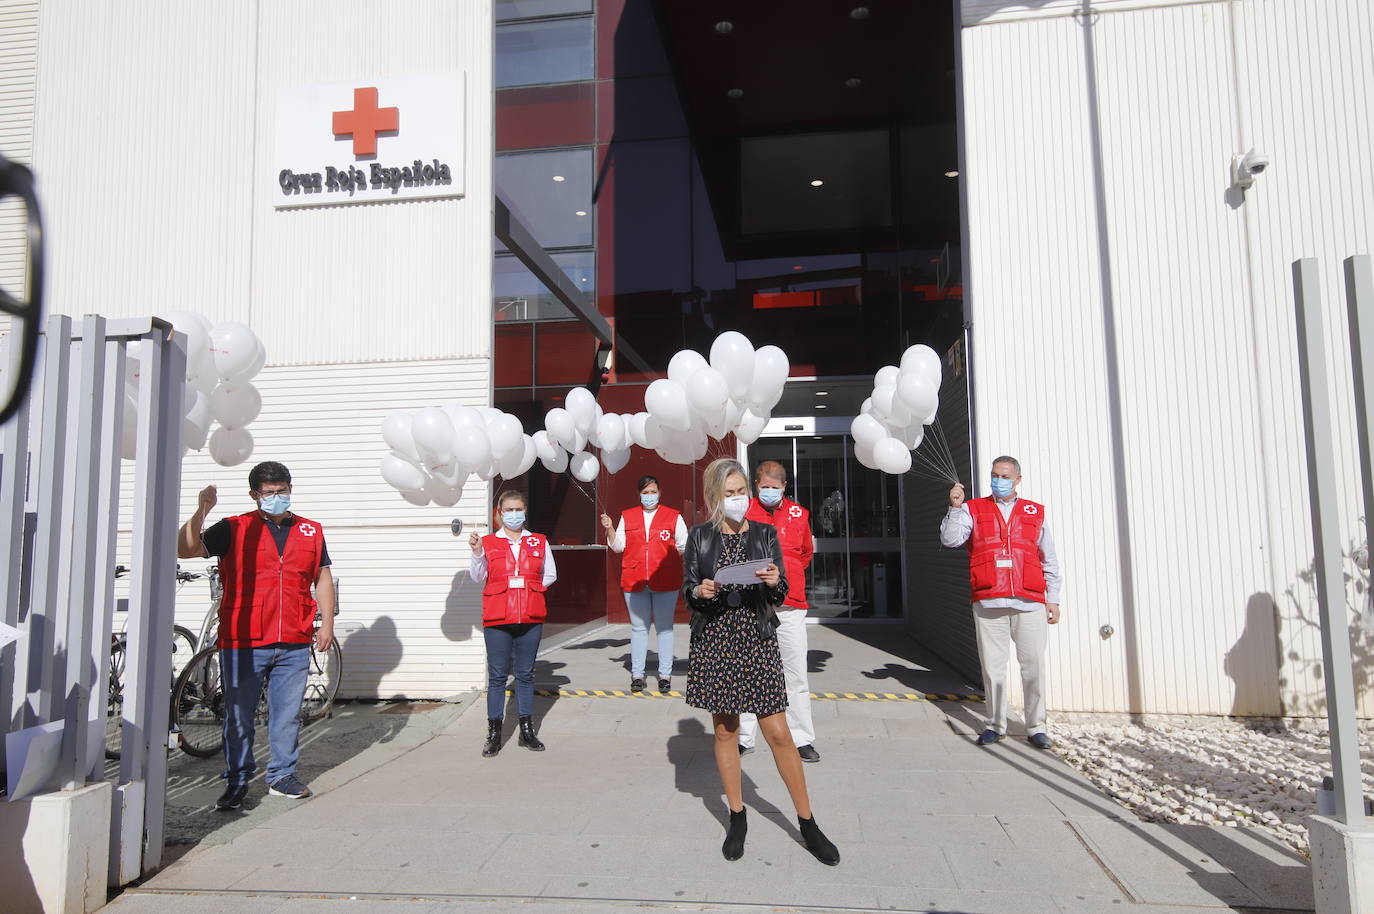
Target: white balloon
461, 415
506, 433
487, 413
707, 392
396, 432
867, 430
892, 456
579, 442
750, 426
887, 376
582, 406
544, 445
235, 347
400, 474
611, 431
561, 427
866, 406
205, 382
924, 361
231, 446
416, 498
235, 407
917, 393
888, 407
653, 432
472, 448
864, 454
614, 461
634, 428
442, 495
911, 436
255, 366
733, 356
667, 402
450, 474
433, 433
557, 462
770, 374
685, 364
487, 471
198, 359
520, 459
934, 412
584, 466
196, 426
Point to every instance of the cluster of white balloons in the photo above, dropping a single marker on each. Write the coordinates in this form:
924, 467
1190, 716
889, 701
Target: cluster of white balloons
561, 444
891, 423
435, 449
221, 361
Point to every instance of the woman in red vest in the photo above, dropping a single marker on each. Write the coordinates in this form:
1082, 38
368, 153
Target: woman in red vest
650, 539
515, 567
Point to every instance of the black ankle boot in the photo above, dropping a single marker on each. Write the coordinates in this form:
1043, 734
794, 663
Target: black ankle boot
821, 847
733, 848
527, 737
493, 742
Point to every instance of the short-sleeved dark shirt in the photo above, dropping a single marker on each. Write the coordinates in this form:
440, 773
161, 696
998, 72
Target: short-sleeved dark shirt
217, 536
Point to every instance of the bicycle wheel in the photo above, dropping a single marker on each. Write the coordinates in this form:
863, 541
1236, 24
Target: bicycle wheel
198, 706
114, 702
323, 682
183, 649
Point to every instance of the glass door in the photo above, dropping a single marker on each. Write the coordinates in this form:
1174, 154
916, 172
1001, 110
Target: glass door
855, 518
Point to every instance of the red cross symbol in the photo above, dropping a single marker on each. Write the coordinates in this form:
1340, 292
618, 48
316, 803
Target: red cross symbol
365, 121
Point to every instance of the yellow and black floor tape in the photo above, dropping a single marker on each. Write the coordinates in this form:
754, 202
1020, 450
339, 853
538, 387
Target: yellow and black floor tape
816, 696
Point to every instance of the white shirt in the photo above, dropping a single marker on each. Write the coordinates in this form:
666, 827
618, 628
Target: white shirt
617, 543
478, 568
957, 527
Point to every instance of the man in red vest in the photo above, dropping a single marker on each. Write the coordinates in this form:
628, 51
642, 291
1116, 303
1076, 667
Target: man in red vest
793, 523
1014, 576
268, 561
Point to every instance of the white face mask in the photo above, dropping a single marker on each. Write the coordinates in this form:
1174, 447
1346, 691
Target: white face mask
734, 507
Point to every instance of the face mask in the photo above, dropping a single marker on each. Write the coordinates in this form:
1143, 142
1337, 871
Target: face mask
735, 506
275, 505
770, 496
513, 519
649, 502
1002, 487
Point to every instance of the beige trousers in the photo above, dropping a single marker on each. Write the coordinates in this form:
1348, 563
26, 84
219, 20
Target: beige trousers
997, 630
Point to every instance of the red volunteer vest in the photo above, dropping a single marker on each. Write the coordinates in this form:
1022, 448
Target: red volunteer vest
503, 604
1004, 557
793, 523
267, 596
652, 563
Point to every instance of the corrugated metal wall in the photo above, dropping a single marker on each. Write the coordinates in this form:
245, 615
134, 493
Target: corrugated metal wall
18, 73
1131, 353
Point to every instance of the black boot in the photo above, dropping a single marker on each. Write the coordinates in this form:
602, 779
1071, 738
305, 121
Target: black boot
821, 847
493, 743
733, 848
527, 737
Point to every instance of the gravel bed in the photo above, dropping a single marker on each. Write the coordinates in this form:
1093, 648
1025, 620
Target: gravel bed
1261, 775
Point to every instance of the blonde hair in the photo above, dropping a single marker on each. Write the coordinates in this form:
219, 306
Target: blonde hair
713, 486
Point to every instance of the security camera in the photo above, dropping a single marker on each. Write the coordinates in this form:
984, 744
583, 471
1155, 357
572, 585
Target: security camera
1245, 167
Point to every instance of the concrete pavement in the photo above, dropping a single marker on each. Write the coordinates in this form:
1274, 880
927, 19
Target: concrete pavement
624, 811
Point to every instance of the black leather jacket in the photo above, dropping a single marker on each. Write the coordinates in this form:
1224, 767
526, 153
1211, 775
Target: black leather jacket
699, 563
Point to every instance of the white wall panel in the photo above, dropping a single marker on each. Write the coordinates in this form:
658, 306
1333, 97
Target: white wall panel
18, 74
390, 280
979, 12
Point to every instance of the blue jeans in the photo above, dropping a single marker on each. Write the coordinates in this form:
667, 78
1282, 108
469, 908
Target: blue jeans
655, 605
504, 641
286, 667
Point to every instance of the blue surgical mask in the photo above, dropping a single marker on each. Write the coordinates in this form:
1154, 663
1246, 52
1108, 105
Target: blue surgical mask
1002, 487
513, 519
649, 502
771, 497
276, 504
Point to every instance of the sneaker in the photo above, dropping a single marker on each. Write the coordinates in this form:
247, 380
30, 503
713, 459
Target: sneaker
808, 753
637, 684
289, 787
665, 685
232, 798
1040, 740
745, 750
988, 737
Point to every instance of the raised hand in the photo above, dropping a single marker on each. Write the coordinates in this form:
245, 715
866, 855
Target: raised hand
956, 495
606, 523
207, 500
475, 541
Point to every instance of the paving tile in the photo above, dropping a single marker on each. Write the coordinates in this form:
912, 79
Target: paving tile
280, 877
203, 875
136, 902
965, 833
1003, 870
913, 898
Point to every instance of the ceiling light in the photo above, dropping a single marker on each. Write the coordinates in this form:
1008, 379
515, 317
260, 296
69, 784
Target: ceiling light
817, 183
725, 26
734, 93
822, 393
581, 212
853, 82
859, 12
821, 406
951, 174
559, 178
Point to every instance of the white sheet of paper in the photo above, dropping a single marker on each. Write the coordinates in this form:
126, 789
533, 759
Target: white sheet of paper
31, 759
743, 573
9, 634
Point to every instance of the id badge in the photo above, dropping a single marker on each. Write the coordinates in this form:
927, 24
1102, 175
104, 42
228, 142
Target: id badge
1004, 562
517, 583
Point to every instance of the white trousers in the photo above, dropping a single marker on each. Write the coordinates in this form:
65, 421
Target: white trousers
792, 646
997, 630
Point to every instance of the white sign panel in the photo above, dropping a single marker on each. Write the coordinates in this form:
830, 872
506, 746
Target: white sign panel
370, 140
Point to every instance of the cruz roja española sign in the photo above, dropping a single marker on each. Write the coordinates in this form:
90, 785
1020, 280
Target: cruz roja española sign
369, 141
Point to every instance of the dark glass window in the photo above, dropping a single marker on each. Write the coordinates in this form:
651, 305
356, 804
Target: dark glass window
550, 193
518, 296
507, 10
545, 51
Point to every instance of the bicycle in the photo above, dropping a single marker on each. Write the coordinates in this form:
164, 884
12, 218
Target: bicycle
183, 650
198, 697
